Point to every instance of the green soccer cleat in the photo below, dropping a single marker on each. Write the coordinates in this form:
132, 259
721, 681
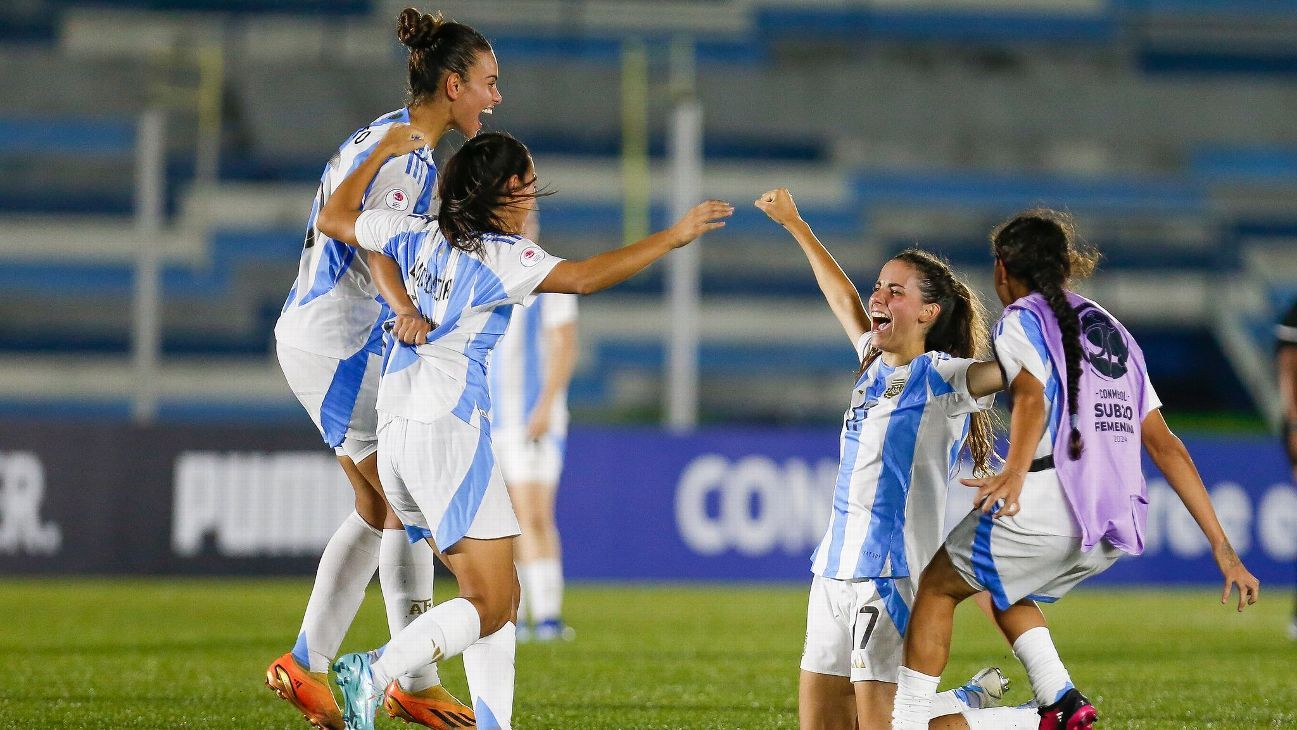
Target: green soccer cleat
360, 695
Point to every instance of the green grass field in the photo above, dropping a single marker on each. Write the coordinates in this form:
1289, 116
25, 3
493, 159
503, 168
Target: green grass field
172, 653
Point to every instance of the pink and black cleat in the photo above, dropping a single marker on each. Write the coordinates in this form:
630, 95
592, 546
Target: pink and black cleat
1072, 712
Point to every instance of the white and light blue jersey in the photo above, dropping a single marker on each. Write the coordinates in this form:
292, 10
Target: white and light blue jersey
899, 449
1019, 341
520, 365
469, 298
334, 309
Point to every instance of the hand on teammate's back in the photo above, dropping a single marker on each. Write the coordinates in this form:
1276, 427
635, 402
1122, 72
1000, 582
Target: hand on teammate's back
779, 205
401, 139
700, 219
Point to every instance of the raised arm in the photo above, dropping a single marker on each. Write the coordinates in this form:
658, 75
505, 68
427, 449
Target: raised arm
1173, 460
337, 219
613, 267
838, 290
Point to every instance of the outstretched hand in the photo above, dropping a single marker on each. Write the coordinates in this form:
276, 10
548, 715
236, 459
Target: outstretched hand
779, 205
1000, 489
402, 139
704, 217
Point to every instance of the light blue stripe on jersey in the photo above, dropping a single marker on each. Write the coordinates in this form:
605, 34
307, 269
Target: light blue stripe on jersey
894, 602
340, 399
1031, 328
953, 456
885, 539
847, 466
984, 562
337, 256
532, 366
468, 496
476, 393
460, 295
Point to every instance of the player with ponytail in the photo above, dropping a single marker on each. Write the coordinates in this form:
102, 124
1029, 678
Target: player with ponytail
920, 397
329, 341
1071, 497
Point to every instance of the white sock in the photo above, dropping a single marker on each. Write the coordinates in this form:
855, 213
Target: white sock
543, 584
1002, 718
914, 697
448, 629
1049, 680
488, 665
405, 572
345, 569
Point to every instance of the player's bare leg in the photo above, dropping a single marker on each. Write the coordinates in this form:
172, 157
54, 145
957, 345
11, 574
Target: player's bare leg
539, 559
927, 642
825, 702
1061, 703
874, 702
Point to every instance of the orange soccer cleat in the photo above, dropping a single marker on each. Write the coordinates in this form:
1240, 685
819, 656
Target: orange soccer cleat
307, 691
433, 707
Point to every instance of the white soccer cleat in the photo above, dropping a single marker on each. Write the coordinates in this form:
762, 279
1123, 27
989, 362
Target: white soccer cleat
985, 690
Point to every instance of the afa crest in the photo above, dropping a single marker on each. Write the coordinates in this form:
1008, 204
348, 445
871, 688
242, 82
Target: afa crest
894, 388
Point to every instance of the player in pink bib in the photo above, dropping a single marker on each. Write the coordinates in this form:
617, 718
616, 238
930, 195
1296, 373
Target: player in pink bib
1071, 498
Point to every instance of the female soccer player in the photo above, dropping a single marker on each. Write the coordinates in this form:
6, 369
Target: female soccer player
466, 270
329, 346
918, 398
530, 371
1071, 497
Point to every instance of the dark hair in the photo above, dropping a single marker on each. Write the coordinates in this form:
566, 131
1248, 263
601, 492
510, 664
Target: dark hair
959, 330
437, 47
1040, 248
473, 188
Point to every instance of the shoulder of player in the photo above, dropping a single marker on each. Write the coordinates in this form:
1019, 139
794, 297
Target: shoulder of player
1011, 321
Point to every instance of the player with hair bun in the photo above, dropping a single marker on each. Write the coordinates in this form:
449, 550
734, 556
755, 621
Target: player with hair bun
329, 344
919, 399
1071, 497
466, 270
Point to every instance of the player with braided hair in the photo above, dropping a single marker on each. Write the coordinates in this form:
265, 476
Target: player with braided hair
1071, 498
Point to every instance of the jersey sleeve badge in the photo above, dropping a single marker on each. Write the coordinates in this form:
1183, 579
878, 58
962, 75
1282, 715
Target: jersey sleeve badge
531, 255
397, 200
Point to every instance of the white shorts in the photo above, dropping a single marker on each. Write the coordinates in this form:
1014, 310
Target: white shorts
339, 395
1013, 564
856, 629
442, 481
523, 461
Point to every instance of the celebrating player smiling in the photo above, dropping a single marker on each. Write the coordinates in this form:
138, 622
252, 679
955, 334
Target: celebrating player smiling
919, 399
329, 346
